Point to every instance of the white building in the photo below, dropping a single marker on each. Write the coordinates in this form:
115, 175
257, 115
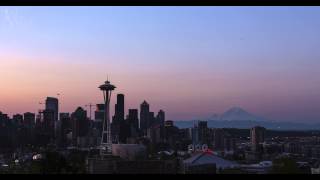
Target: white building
205, 158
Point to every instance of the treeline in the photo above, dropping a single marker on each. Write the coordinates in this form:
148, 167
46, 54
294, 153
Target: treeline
272, 133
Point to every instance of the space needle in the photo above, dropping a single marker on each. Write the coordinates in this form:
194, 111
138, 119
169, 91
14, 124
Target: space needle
106, 144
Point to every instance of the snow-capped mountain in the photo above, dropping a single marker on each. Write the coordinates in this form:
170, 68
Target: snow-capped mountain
236, 114
239, 118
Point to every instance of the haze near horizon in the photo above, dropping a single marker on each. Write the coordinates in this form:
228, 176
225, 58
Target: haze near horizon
191, 62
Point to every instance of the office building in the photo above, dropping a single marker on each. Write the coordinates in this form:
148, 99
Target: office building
144, 116
48, 126
219, 140
161, 117
29, 119
17, 119
169, 123
203, 132
118, 127
119, 108
257, 138
53, 105
151, 119
80, 123
65, 128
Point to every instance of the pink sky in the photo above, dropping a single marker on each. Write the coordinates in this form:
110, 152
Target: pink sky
181, 94
191, 62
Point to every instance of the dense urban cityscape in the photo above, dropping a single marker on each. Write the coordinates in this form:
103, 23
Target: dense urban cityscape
159, 90
144, 142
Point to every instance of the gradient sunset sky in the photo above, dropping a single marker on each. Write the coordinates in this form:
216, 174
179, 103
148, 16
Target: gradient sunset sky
191, 62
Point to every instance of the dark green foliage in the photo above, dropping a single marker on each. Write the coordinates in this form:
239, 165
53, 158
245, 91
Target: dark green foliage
285, 165
55, 163
232, 171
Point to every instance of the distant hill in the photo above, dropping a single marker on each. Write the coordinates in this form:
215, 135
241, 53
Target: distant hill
239, 118
243, 124
236, 114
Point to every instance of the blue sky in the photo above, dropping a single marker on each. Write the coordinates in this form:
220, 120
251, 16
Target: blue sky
190, 61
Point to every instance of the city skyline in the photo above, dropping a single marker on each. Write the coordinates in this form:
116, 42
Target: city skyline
188, 62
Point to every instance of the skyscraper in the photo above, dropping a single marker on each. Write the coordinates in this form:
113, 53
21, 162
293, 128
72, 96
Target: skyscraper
65, 128
219, 136
1, 119
151, 119
194, 135
17, 119
171, 133
48, 125
144, 116
257, 137
169, 123
133, 118
99, 117
133, 122
203, 132
154, 133
80, 123
161, 117
99, 113
118, 124
53, 105
119, 108
29, 119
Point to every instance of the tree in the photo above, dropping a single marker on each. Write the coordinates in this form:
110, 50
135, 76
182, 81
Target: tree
53, 163
285, 165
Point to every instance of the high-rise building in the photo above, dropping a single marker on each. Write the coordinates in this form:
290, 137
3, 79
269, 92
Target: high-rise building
99, 113
64, 116
168, 123
133, 119
151, 119
53, 105
17, 119
28, 128
154, 133
39, 119
4, 116
65, 128
194, 135
229, 143
203, 132
257, 137
144, 116
80, 125
171, 133
99, 117
48, 125
218, 142
119, 108
118, 125
29, 119
132, 124
1, 120
161, 117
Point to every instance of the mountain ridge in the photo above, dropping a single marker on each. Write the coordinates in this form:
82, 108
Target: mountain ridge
243, 124
236, 117
236, 113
